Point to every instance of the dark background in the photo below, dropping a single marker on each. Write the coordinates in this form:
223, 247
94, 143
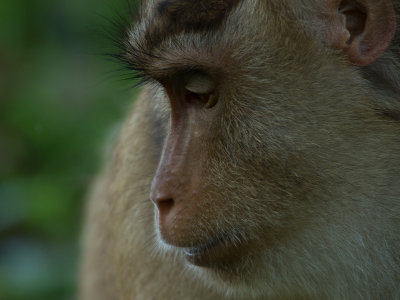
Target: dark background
59, 99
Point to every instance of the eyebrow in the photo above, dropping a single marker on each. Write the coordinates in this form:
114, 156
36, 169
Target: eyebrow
172, 17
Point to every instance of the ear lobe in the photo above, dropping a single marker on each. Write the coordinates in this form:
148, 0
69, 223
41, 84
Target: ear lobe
362, 29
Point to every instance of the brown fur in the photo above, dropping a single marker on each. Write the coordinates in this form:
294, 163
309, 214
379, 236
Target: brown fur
172, 17
301, 166
185, 14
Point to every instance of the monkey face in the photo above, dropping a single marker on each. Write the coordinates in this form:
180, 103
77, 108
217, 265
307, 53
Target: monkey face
228, 174
271, 136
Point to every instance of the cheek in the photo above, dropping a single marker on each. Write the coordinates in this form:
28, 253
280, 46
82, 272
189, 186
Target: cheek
227, 178
263, 181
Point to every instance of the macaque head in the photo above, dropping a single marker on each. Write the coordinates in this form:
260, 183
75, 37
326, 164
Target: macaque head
278, 146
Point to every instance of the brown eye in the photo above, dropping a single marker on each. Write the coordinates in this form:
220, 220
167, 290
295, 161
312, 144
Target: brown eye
201, 88
208, 100
211, 100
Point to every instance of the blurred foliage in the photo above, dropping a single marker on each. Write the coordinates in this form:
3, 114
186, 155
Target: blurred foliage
58, 100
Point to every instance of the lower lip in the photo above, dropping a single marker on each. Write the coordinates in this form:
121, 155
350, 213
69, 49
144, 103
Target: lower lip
206, 255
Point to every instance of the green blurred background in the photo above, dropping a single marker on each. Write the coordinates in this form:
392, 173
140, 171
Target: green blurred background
58, 101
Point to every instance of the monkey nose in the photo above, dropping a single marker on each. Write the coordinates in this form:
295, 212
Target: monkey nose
164, 205
163, 200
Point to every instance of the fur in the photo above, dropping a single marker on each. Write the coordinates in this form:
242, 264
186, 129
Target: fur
303, 169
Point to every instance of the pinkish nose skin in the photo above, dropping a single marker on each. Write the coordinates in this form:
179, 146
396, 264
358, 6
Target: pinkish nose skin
177, 185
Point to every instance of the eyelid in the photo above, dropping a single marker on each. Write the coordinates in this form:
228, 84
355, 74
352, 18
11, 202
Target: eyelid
200, 84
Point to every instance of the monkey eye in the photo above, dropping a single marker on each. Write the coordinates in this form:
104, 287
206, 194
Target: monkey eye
201, 88
207, 100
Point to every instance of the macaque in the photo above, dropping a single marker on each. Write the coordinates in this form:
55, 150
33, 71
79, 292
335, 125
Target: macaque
261, 159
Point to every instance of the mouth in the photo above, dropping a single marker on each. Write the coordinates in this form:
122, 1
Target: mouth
213, 252
201, 249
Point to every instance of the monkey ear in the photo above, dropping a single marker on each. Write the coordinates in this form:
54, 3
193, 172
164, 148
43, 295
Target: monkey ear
362, 29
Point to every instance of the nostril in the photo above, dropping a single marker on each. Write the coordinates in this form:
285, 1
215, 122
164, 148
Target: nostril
161, 194
164, 205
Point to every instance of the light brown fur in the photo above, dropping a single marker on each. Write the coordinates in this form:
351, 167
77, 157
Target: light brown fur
304, 167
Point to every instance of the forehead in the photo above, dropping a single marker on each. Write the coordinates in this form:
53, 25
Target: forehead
171, 17
194, 15
208, 33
